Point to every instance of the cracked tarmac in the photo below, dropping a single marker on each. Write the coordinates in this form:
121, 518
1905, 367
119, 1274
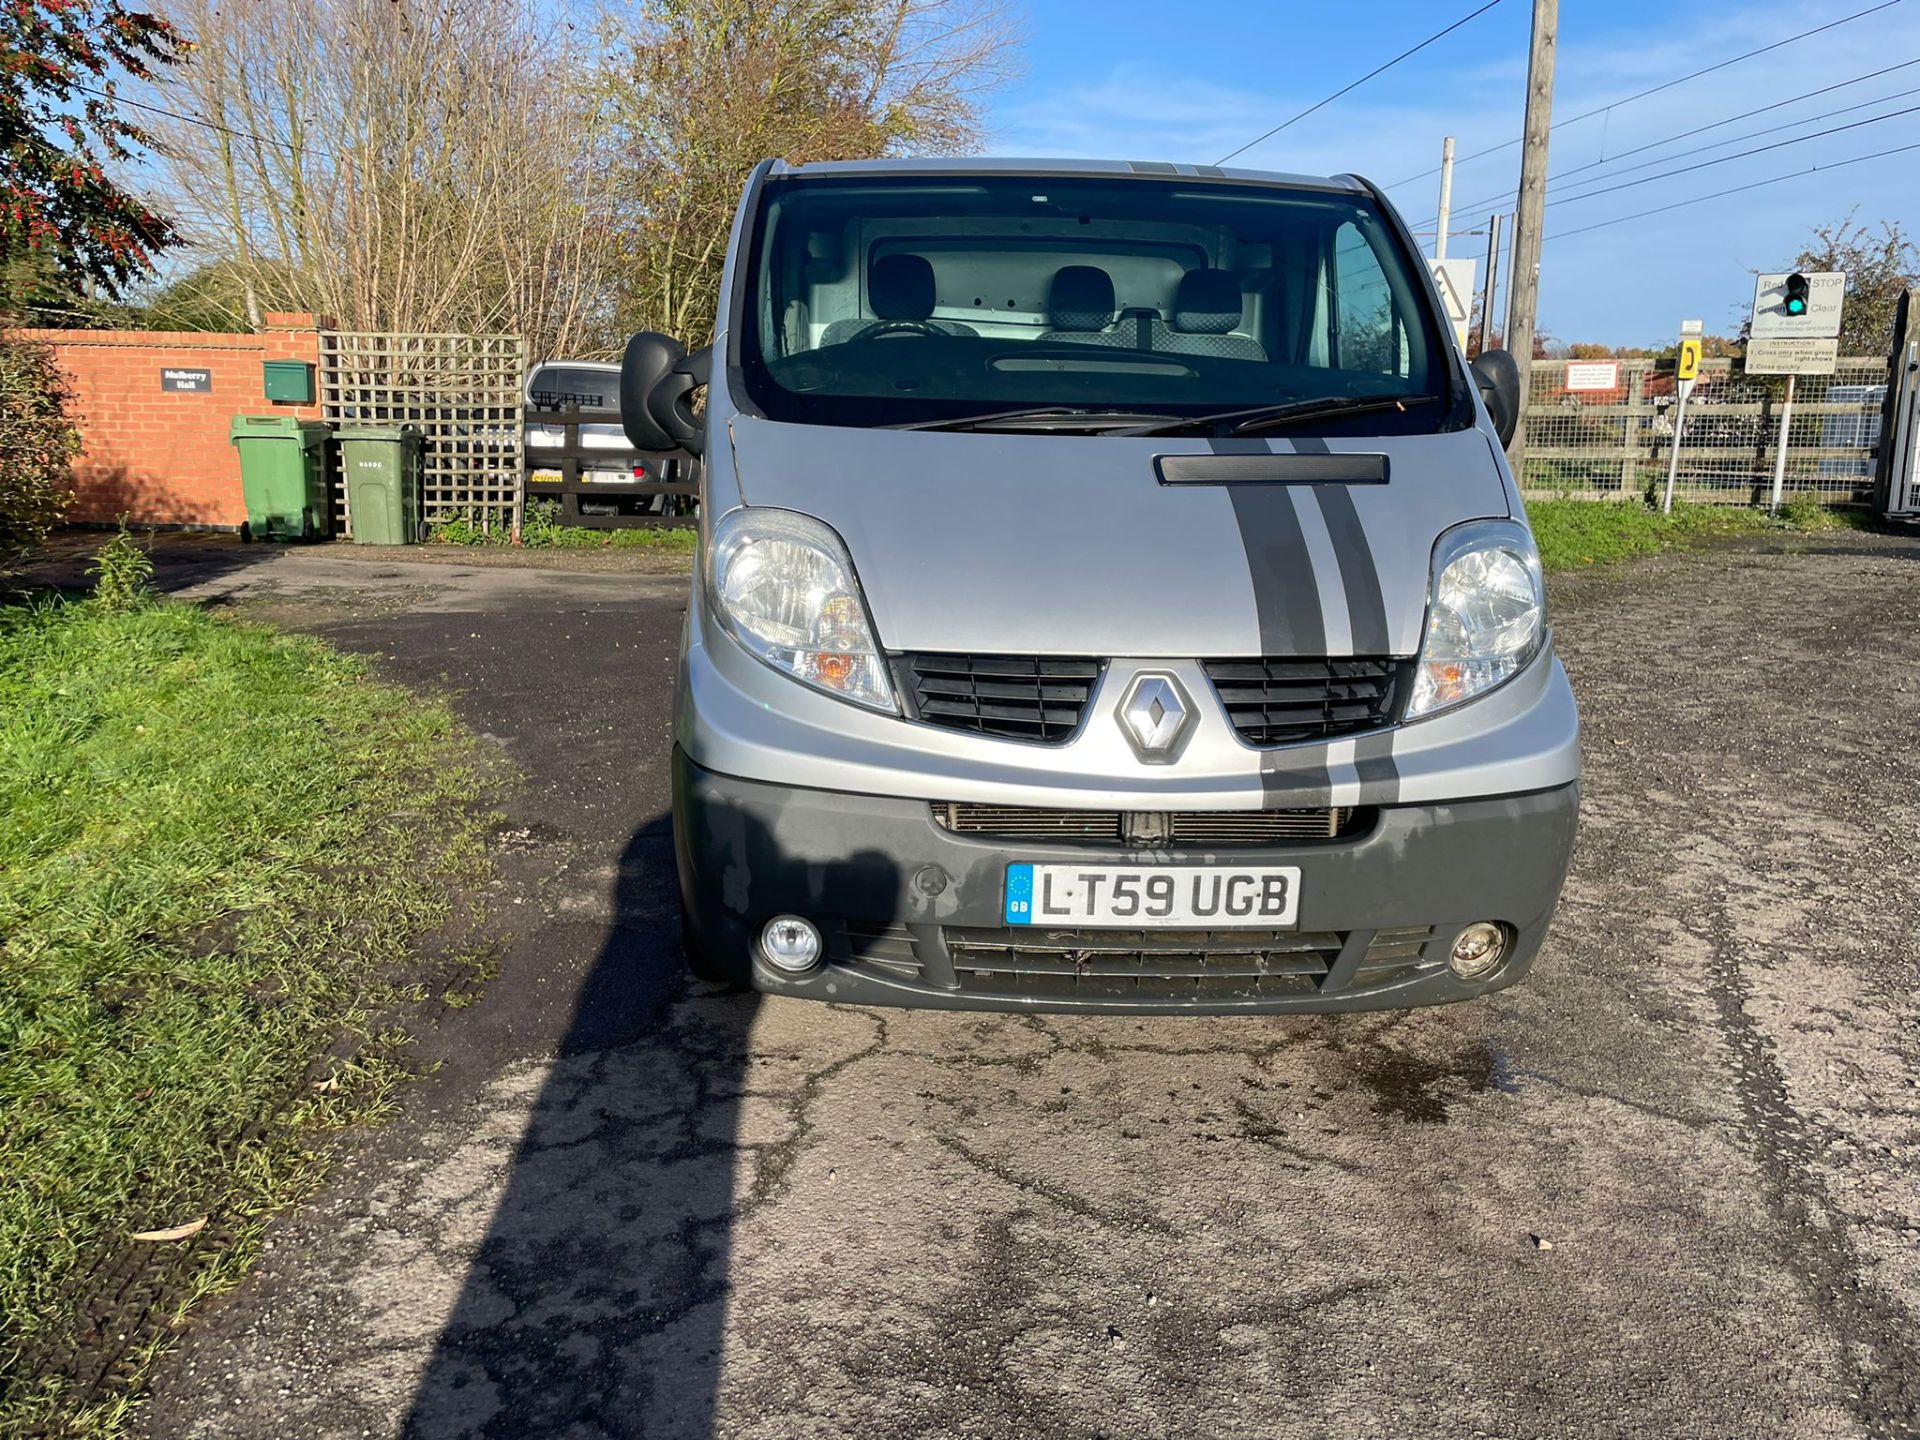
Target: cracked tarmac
1666, 1187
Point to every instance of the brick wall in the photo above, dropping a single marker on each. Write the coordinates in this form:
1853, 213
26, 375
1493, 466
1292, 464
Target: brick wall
162, 457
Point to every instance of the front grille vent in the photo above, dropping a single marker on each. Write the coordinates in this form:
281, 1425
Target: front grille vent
1177, 827
1039, 962
1119, 964
1283, 701
1015, 697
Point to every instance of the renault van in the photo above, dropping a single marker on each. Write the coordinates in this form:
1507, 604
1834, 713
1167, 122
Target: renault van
1111, 596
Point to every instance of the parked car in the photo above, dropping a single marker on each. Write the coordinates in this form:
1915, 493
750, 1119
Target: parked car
1111, 595
605, 466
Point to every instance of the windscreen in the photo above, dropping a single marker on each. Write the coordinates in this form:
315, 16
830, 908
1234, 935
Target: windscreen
560, 387
887, 301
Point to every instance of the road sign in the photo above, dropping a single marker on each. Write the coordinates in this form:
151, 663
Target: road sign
1686, 365
1792, 355
1593, 375
1826, 289
1454, 280
1686, 370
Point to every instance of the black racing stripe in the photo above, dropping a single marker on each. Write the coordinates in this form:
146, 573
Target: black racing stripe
1286, 592
1359, 575
1311, 445
1373, 765
1286, 596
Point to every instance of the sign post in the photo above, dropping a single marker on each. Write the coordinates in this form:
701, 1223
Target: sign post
1795, 331
1454, 280
1686, 369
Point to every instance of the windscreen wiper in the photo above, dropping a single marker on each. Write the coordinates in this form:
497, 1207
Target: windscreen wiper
1045, 417
1269, 417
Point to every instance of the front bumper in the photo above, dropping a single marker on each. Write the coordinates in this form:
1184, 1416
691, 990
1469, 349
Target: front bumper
912, 913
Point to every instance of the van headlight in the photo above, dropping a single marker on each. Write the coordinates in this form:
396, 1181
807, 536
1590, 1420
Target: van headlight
1486, 615
783, 585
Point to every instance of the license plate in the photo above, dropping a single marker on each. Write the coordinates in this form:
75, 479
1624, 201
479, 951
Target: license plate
1135, 897
545, 477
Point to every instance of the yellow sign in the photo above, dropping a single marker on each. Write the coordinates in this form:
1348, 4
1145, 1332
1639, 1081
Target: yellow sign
1688, 365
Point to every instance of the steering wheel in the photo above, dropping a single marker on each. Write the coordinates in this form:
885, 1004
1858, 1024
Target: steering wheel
881, 328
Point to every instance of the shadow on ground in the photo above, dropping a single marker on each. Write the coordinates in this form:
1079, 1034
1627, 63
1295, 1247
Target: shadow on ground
181, 559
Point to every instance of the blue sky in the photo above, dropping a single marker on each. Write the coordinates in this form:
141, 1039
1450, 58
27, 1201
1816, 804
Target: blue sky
1143, 79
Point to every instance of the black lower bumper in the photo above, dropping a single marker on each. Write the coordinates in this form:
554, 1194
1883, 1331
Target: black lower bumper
912, 914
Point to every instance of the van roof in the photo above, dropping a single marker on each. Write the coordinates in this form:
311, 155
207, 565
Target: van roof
1011, 165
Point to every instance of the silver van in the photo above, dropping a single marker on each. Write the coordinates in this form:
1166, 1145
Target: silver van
1112, 596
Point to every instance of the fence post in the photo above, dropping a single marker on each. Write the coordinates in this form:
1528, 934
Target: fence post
1630, 459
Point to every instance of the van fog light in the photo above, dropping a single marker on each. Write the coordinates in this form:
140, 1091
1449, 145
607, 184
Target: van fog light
790, 944
1478, 951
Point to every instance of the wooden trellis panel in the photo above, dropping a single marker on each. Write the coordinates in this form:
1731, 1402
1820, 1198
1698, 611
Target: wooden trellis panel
463, 392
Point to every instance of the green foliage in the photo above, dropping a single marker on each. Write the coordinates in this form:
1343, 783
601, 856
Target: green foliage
122, 573
804, 79
222, 848
61, 127
1880, 267
214, 297
540, 529
37, 445
1576, 534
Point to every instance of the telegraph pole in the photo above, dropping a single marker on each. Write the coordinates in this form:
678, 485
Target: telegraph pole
1528, 214
1446, 197
1491, 290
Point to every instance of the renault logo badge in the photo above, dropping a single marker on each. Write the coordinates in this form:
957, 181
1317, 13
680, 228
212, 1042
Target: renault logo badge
1156, 715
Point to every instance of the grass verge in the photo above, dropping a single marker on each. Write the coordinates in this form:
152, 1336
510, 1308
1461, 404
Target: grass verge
222, 852
1575, 534
540, 529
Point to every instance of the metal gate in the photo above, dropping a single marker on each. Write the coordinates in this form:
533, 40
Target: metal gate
461, 391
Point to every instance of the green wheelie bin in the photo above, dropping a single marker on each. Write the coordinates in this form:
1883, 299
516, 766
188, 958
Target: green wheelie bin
382, 466
283, 477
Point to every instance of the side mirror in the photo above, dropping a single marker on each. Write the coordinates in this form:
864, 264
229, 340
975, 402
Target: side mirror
657, 381
1497, 374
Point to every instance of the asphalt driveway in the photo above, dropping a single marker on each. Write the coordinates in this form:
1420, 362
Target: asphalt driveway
1668, 1187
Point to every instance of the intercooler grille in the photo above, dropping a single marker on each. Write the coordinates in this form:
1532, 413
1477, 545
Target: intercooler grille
1177, 827
1039, 962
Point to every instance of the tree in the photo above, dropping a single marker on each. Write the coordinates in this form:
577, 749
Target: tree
37, 444
403, 165
62, 124
1880, 268
699, 91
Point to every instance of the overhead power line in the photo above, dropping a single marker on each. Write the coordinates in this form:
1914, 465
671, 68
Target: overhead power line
1377, 70
1738, 155
1505, 197
202, 121
1733, 190
1664, 85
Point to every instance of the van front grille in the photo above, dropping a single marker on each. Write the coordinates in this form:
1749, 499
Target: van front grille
1284, 700
1015, 697
1040, 962
1155, 827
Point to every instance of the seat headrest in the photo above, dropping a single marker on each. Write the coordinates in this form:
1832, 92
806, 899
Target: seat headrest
900, 287
1207, 302
1080, 298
